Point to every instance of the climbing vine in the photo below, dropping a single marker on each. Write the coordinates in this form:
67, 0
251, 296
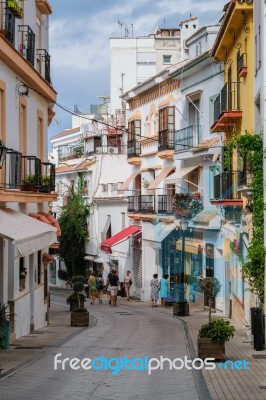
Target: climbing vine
250, 147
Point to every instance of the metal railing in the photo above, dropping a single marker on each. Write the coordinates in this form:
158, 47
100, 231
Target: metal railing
225, 186
27, 43
143, 204
227, 100
43, 59
188, 137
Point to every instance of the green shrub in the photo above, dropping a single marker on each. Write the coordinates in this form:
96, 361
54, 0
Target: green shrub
78, 287
74, 298
218, 330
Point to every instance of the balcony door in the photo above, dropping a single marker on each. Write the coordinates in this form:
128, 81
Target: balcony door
194, 120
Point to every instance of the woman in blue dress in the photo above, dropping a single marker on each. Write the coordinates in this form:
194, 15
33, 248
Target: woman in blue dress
164, 289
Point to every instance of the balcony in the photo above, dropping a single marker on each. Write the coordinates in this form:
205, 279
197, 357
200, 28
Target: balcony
8, 26
225, 189
25, 179
242, 65
166, 204
141, 204
227, 107
187, 138
43, 60
27, 43
15, 7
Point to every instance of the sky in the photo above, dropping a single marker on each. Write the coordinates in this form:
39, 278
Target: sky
79, 42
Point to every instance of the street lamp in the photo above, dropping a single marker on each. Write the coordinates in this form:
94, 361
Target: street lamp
182, 303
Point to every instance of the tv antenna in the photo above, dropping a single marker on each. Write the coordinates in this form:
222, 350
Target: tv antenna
121, 26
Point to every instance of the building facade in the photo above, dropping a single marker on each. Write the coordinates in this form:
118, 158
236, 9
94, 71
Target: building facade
27, 178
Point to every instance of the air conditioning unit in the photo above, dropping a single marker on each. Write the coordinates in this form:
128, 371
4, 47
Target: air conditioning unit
113, 150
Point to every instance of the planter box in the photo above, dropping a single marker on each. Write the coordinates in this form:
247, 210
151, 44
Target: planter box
79, 318
74, 305
5, 331
181, 311
208, 349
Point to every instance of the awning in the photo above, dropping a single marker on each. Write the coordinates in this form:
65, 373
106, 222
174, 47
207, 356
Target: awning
231, 232
27, 234
135, 115
160, 177
119, 237
125, 185
179, 174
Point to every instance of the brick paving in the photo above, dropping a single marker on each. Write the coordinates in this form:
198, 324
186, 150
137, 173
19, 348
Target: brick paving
222, 384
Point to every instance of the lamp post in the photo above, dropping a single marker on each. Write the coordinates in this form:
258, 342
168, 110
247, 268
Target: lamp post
182, 303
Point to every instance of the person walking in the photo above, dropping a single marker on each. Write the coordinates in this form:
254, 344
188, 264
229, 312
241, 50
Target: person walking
107, 286
127, 284
164, 289
155, 287
113, 280
99, 286
92, 287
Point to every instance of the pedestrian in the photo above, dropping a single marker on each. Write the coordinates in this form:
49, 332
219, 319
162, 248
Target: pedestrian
127, 284
100, 285
92, 287
155, 287
113, 280
164, 289
108, 286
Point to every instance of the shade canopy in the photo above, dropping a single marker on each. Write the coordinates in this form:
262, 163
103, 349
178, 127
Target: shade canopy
179, 174
119, 237
155, 183
27, 234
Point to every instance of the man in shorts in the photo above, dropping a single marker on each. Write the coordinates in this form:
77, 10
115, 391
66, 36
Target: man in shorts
113, 280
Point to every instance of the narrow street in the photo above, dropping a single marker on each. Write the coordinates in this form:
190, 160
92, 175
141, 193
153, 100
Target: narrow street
122, 331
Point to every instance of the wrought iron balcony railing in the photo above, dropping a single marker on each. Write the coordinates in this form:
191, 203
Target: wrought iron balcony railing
27, 43
188, 137
227, 100
43, 60
225, 186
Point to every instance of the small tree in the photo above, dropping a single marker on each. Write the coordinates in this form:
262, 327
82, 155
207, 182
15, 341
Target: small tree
211, 287
78, 287
73, 222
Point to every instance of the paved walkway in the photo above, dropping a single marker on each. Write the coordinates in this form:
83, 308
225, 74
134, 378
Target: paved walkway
222, 384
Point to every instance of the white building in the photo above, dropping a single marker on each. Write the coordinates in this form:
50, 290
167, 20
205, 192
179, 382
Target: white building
26, 98
172, 151
135, 59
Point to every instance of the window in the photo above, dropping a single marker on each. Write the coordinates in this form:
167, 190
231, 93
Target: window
167, 59
105, 187
106, 232
198, 49
39, 268
114, 187
167, 118
22, 275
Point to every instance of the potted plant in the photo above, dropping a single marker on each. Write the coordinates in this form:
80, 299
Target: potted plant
213, 335
15, 8
212, 338
46, 184
80, 316
4, 326
29, 183
76, 301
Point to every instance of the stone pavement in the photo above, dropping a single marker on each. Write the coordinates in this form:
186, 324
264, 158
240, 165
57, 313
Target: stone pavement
222, 384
